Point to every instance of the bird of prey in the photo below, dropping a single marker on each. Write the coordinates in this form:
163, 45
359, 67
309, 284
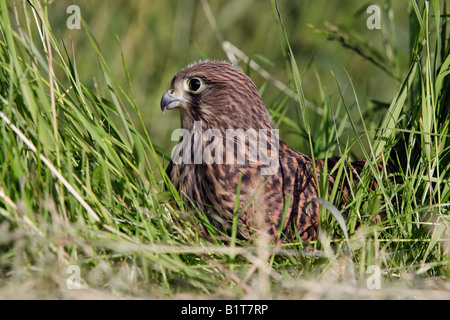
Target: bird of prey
271, 199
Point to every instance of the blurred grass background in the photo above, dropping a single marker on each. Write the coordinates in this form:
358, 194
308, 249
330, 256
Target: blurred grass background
158, 38
80, 183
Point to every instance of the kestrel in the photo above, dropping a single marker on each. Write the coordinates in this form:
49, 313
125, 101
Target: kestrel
270, 198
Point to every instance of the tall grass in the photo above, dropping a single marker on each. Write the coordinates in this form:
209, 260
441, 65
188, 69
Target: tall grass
83, 184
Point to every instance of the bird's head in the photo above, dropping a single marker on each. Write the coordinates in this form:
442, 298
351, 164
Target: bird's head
217, 94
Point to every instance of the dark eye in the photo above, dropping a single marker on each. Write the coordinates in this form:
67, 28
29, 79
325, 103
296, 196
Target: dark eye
194, 84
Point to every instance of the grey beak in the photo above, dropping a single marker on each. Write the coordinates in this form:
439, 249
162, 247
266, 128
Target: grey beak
168, 101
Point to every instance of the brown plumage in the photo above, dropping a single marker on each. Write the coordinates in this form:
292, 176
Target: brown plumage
222, 97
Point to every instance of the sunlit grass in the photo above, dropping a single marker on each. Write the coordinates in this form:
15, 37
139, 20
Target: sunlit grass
82, 182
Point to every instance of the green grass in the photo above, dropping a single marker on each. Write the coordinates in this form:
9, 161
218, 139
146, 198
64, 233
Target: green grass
82, 181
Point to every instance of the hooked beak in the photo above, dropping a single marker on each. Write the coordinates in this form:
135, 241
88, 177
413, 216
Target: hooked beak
171, 100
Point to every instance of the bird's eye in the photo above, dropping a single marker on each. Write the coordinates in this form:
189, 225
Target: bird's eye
194, 84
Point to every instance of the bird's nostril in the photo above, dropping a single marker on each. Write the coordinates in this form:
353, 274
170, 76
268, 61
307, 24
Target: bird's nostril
171, 91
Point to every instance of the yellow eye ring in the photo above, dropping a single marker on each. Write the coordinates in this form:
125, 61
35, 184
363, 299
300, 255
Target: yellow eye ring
194, 84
